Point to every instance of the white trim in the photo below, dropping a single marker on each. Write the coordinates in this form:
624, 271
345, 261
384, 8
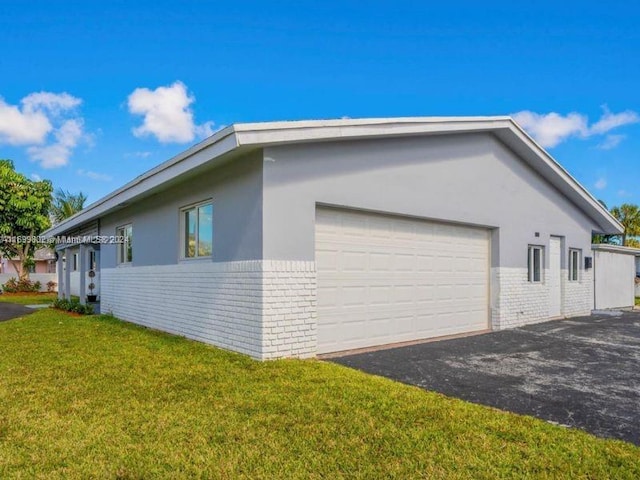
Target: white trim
531, 264
571, 264
119, 261
194, 206
604, 247
255, 135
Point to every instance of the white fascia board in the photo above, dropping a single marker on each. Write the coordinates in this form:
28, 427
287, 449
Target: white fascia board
215, 146
576, 192
264, 134
603, 247
274, 133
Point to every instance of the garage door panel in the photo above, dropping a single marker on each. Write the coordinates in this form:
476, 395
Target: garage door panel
385, 279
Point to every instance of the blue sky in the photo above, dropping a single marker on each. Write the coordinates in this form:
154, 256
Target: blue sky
144, 80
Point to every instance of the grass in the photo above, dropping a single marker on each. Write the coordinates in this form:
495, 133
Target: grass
28, 298
93, 397
637, 301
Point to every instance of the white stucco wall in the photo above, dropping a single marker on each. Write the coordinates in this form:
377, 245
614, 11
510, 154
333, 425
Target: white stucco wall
614, 279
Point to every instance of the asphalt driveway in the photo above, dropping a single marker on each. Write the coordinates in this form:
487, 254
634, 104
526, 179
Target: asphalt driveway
582, 372
11, 310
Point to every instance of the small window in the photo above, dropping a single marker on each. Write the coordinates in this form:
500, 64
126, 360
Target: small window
125, 236
197, 231
535, 263
75, 262
92, 260
574, 265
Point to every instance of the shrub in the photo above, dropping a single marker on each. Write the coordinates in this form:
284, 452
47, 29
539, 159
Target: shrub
19, 286
72, 306
51, 286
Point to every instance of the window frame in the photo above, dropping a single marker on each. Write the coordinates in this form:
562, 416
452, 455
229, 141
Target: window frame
183, 236
531, 264
574, 264
74, 262
121, 231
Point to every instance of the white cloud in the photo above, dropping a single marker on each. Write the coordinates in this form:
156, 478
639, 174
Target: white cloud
167, 114
19, 127
57, 153
137, 154
55, 103
94, 175
609, 121
601, 183
46, 123
611, 141
551, 129
35, 177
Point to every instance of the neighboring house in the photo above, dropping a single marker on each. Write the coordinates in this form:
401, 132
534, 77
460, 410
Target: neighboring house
301, 238
43, 270
44, 262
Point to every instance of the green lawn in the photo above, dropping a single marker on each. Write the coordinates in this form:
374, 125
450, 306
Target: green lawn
28, 298
93, 397
637, 300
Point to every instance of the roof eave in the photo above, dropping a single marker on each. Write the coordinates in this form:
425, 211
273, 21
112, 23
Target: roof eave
276, 133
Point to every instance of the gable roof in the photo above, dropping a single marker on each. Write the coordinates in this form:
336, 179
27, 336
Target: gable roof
242, 137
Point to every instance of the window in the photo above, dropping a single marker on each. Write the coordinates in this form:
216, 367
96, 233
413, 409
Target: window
574, 264
75, 262
92, 260
197, 231
31, 268
534, 263
125, 252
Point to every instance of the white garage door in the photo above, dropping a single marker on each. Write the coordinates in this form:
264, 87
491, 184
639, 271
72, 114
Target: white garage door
385, 279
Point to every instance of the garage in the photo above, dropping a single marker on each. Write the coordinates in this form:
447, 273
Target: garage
386, 279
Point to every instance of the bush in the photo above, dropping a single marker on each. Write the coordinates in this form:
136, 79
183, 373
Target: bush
51, 286
72, 306
25, 285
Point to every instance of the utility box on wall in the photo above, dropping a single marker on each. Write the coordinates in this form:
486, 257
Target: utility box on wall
588, 263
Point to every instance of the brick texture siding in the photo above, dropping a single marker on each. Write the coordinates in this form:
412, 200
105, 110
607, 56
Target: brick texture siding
520, 302
263, 309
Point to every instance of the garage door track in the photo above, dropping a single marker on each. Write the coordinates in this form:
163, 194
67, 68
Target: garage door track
581, 372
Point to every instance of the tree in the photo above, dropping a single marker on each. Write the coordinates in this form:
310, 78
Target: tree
24, 214
598, 238
629, 216
66, 204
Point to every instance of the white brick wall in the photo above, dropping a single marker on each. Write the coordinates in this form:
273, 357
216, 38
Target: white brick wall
519, 302
289, 303
263, 309
267, 309
577, 296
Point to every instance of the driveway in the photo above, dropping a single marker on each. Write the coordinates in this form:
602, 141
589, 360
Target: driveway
583, 372
11, 310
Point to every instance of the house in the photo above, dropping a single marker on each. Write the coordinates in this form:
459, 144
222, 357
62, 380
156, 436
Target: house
43, 269
43, 262
303, 238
